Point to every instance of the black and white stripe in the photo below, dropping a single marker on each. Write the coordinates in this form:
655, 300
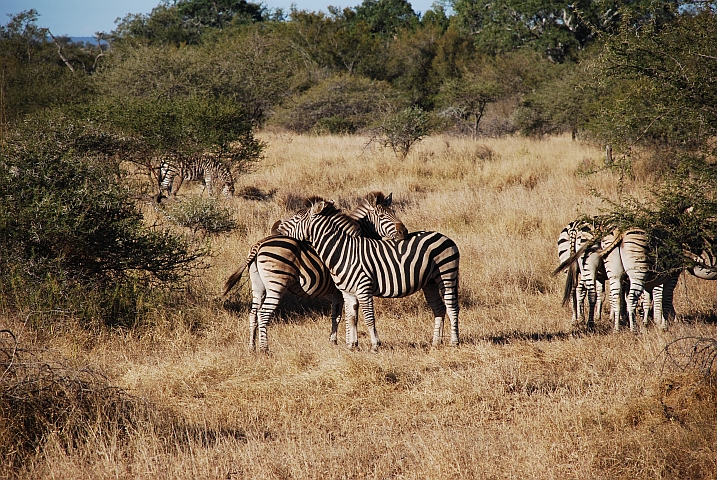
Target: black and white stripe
628, 254
278, 264
363, 268
586, 276
208, 169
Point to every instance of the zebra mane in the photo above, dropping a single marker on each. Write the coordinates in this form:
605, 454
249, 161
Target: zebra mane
342, 220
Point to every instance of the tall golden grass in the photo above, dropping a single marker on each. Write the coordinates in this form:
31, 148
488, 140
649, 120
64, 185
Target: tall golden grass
526, 395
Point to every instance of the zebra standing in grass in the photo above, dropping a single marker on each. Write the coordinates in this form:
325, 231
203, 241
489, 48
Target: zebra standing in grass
586, 275
205, 168
363, 268
628, 253
278, 264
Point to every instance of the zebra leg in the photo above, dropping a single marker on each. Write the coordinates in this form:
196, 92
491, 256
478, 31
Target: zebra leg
433, 296
351, 315
366, 302
614, 272
337, 303
258, 292
664, 308
450, 297
633, 297
647, 305
580, 290
271, 302
600, 297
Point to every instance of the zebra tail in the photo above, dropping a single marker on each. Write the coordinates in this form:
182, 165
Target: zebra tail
233, 279
570, 281
615, 242
236, 276
571, 261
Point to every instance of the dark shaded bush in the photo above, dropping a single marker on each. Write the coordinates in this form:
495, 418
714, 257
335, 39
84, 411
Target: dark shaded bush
66, 217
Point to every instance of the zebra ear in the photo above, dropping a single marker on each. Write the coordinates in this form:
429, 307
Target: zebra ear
317, 208
275, 228
388, 200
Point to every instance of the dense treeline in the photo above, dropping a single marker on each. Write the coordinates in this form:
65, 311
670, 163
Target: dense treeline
196, 75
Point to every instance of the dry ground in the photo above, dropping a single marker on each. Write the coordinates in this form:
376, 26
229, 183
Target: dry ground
526, 395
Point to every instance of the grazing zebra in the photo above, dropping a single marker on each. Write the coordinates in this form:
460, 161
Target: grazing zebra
209, 170
363, 268
587, 274
705, 264
279, 263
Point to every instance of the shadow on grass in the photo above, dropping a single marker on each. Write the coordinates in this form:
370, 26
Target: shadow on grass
292, 309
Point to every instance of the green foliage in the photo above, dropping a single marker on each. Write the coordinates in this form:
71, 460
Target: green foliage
344, 102
33, 75
657, 86
64, 214
201, 214
555, 29
187, 21
680, 216
386, 17
402, 130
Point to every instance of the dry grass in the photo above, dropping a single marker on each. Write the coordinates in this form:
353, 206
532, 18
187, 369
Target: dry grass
524, 396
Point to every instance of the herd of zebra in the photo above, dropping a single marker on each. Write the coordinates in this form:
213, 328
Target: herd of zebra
321, 251
353, 256
623, 260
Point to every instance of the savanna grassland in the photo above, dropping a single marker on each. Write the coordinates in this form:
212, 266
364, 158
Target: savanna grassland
526, 395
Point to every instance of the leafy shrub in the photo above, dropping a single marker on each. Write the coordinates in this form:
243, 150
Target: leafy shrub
402, 130
65, 217
203, 214
339, 104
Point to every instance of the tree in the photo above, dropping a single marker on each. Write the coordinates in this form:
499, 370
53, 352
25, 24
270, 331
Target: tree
65, 213
386, 17
657, 86
556, 29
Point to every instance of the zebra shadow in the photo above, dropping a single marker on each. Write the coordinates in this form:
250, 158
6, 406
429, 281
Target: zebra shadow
292, 309
518, 336
698, 318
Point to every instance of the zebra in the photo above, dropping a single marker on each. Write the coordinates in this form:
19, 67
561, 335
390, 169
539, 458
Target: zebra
585, 275
628, 253
363, 268
278, 264
208, 169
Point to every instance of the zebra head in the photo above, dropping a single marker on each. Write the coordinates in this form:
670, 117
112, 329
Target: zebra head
311, 222
377, 218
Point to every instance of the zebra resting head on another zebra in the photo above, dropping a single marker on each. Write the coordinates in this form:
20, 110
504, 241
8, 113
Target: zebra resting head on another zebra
278, 264
363, 268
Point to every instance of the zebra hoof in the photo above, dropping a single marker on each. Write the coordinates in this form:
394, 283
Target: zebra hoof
374, 348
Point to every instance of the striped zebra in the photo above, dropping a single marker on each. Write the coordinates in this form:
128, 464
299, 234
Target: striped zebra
210, 170
585, 276
363, 268
278, 264
628, 253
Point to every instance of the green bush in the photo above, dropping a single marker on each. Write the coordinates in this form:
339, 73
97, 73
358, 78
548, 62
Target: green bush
339, 104
402, 130
67, 220
201, 214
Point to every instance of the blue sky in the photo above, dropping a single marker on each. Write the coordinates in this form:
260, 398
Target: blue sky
82, 18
